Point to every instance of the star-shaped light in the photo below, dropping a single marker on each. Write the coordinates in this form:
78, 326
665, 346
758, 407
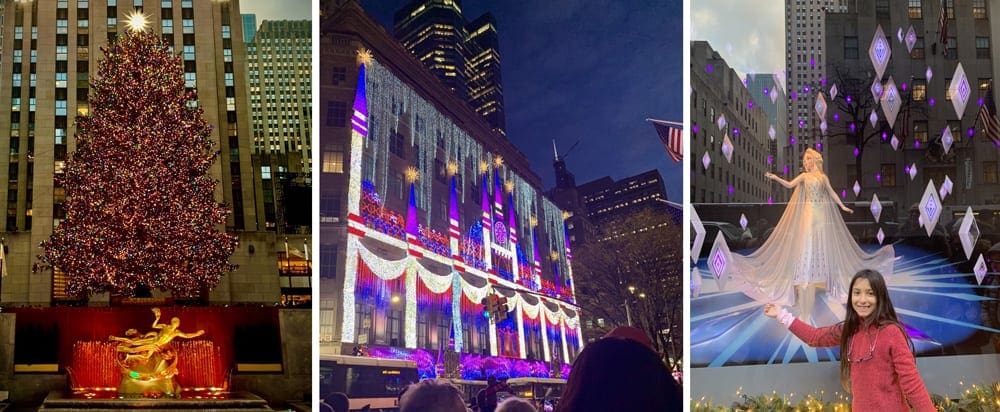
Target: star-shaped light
364, 56
412, 174
137, 21
497, 161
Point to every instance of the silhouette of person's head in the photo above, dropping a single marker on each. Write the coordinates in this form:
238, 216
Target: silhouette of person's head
431, 395
339, 401
597, 381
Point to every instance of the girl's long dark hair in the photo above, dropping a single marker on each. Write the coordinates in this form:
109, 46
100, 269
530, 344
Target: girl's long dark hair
884, 314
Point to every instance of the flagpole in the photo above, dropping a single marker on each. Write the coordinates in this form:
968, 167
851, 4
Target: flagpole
651, 120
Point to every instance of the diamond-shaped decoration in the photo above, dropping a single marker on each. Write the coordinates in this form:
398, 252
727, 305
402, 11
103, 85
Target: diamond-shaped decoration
706, 160
873, 118
946, 139
877, 91
699, 235
823, 126
942, 192
771, 132
894, 142
876, 208
960, 91
968, 232
743, 221
929, 73
774, 96
721, 122
980, 269
880, 236
821, 106
911, 39
948, 184
879, 52
891, 102
899, 34
930, 207
857, 188
727, 148
913, 171
833, 92
719, 260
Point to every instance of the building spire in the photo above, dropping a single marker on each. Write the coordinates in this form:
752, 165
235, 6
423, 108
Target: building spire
554, 150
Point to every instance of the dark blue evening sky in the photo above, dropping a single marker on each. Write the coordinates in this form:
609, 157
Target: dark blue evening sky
587, 71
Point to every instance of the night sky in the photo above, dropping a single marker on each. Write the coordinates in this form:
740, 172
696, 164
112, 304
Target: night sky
590, 72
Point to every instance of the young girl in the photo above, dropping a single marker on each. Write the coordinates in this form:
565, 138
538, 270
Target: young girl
876, 357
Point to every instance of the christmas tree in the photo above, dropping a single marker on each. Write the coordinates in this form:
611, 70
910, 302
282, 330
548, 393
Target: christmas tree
140, 207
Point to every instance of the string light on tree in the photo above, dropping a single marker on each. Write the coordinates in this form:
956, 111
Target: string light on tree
140, 206
137, 21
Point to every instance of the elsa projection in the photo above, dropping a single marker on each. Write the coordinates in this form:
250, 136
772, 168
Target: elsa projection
809, 248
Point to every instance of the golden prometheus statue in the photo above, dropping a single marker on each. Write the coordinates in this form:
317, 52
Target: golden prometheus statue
149, 362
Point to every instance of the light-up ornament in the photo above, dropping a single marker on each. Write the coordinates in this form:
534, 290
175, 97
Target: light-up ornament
699, 235
727, 148
873, 118
879, 52
948, 184
833, 92
412, 174
880, 236
857, 188
928, 74
721, 122
876, 208
980, 269
497, 161
821, 106
771, 132
960, 91
912, 171
895, 142
743, 221
706, 160
719, 260
899, 34
946, 139
930, 208
968, 232
891, 102
136, 21
911, 39
773, 95
876, 90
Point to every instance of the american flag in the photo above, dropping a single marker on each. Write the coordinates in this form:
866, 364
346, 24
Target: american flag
671, 134
988, 115
943, 27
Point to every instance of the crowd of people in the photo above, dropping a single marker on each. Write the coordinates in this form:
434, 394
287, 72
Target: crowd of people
619, 372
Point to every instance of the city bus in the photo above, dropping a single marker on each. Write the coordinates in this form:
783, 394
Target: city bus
372, 382
468, 388
537, 389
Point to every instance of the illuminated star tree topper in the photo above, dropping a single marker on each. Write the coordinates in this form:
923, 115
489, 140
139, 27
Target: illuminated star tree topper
140, 209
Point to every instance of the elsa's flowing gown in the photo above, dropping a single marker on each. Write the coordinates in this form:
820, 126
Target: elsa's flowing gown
810, 245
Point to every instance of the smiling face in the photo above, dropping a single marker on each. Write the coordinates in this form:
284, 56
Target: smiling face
863, 299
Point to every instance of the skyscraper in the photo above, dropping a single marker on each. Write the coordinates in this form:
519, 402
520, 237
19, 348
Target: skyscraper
249, 27
43, 43
805, 64
464, 56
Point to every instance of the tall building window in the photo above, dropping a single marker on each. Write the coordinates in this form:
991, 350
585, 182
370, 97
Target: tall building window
329, 205
982, 47
850, 47
882, 9
919, 87
397, 144
336, 114
990, 172
947, 92
918, 48
915, 9
920, 130
949, 7
339, 75
333, 160
328, 261
979, 9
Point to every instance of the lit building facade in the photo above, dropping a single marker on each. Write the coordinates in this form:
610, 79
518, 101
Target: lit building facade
766, 91
464, 56
425, 211
50, 51
723, 119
